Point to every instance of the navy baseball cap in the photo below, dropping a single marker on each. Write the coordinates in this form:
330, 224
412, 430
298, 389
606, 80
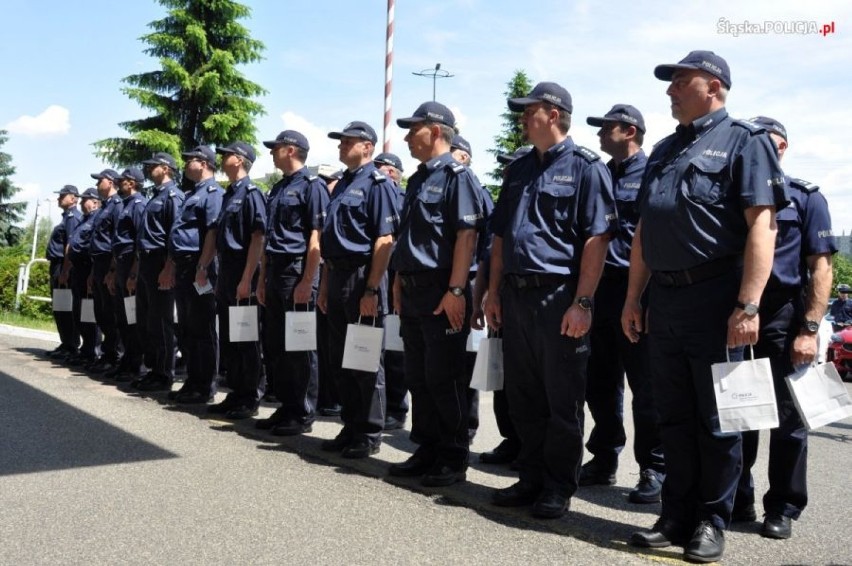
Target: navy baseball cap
91, 193
388, 159
706, 61
68, 190
551, 93
356, 129
843, 288
429, 112
289, 137
110, 174
202, 152
619, 113
506, 158
240, 148
162, 158
133, 174
461, 143
771, 125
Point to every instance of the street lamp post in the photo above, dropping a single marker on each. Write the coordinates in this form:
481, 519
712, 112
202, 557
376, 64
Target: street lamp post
435, 74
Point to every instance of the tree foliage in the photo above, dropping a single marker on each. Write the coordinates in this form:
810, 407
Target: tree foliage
10, 212
198, 96
511, 136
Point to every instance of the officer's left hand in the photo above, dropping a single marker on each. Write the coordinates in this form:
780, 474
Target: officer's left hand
742, 329
576, 322
109, 281
804, 349
302, 293
166, 279
369, 305
243, 290
453, 307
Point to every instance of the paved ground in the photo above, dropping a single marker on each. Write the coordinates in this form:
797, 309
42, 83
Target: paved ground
90, 474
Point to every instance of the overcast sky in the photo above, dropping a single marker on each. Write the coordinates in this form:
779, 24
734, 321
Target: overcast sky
324, 66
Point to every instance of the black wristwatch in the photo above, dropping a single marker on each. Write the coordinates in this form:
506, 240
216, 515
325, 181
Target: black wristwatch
750, 309
585, 303
456, 291
811, 326
371, 291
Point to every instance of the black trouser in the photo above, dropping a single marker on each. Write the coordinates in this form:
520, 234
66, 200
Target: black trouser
241, 359
89, 332
158, 306
198, 338
105, 308
545, 379
395, 388
66, 324
293, 374
362, 394
435, 371
781, 316
611, 357
131, 336
327, 396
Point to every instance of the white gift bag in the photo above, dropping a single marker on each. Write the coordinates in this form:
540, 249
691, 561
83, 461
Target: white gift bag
362, 350
819, 394
130, 309
300, 330
242, 323
393, 339
488, 369
63, 300
745, 395
87, 311
475, 338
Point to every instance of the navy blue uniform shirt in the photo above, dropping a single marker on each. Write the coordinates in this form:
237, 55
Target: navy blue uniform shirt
442, 197
103, 226
129, 223
297, 208
549, 207
362, 208
804, 229
697, 183
62, 233
81, 238
159, 216
841, 311
243, 213
198, 214
626, 180
483, 239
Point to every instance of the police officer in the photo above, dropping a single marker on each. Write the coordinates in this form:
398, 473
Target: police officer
100, 249
76, 269
356, 244
237, 238
124, 257
198, 338
437, 243
551, 227
715, 183
791, 308
621, 133
841, 309
289, 274
69, 334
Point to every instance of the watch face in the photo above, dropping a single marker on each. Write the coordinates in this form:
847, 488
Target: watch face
585, 303
751, 309
812, 325
457, 291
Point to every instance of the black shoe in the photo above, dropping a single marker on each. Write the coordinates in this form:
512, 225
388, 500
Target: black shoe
706, 545
338, 443
291, 428
101, 366
504, 453
125, 377
417, 464
55, 352
241, 412
649, 488
665, 532
273, 420
744, 514
81, 360
594, 472
193, 398
332, 411
360, 448
155, 383
393, 423
550, 505
442, 475
777, 526
517, 495
223, 406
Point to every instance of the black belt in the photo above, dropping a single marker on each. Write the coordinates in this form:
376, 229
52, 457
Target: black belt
283, 259
698, 273
153, 253
182, 258
346, 263
535, 280
610, 272
435, 278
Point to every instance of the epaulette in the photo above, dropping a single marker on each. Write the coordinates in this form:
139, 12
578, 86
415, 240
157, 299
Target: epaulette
586, 153
805, 186
137, 201
312, 178
251, 187
378, 176
750, 126
455, 166
172, 193
211, 188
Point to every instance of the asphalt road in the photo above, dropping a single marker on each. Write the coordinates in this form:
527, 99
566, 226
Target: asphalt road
90, 474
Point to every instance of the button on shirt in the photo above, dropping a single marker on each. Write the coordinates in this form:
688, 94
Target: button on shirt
129, 222
243, 213
626, 180
550, 206
62, 234
297, 208
804, 229
197, 215
362, 209
81, 238
697, 183
103, 226
442, 197
159, 216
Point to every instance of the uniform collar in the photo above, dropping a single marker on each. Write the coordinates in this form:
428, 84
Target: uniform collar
240, 183
126, 199
701, 125
204, 183
435, 163
302, 172
167, 185
621, 169
361, 171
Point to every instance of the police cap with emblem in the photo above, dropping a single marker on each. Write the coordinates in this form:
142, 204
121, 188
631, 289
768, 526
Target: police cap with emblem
133, 174
388, 159
162, 158
202, 152
462, 144
67, 190
706, 61
623, 113
289, 137
551, 93
238, 148
433, 112
770, 125
110, 174
356, 129
91, 193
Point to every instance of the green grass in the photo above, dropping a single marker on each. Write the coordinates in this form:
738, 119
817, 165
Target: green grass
16, 319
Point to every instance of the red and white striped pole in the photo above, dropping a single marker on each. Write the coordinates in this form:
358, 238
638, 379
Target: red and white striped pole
386, 142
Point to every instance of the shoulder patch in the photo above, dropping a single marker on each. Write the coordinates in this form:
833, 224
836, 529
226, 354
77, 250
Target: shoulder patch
378, 176
750, 126
586, 154
251, 187
211, 189
172, 194
454, 166
312, 178
803, 185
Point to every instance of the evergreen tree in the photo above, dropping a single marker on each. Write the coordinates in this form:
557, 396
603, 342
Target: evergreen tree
511, 137
10, 212
198, 96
